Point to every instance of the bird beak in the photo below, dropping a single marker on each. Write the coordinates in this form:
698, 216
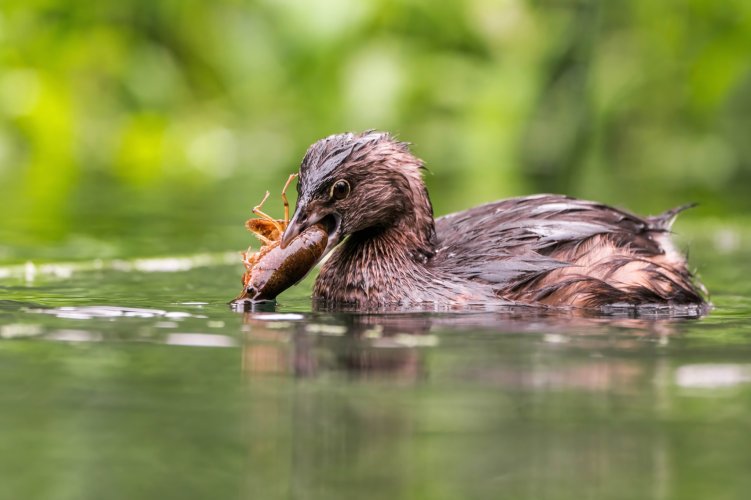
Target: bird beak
303, 219
297, 225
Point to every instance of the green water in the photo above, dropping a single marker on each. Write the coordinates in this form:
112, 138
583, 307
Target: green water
125, 379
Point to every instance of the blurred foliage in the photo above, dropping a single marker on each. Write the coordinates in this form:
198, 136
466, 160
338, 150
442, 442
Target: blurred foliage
136, 127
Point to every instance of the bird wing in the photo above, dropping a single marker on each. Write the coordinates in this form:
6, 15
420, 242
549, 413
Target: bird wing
508, 242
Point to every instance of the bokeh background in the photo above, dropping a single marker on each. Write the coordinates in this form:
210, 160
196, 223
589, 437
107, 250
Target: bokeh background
136, 136
150, 128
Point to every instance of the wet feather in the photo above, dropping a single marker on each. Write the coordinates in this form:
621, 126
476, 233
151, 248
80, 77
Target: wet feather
548, 249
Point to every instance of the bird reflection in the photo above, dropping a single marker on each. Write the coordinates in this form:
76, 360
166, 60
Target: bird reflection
357, 345
507, 376
395, 344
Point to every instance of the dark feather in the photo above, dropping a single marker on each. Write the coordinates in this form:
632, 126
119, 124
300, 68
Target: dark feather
547, 249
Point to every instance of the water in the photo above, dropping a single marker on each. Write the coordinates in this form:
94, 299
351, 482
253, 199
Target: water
133, 379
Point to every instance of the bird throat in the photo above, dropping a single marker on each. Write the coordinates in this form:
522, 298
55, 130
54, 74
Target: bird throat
373, 265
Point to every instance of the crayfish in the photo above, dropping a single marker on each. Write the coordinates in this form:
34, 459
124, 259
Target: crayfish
272, 269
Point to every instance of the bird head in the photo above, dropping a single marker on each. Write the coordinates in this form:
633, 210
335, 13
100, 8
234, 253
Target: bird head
353, 182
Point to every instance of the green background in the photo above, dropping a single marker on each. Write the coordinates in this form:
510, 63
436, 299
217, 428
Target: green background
148, 128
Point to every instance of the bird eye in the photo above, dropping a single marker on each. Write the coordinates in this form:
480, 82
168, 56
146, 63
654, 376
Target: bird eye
340, 190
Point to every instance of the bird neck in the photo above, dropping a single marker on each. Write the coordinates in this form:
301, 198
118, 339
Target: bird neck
374, 265
414, 230
382, 266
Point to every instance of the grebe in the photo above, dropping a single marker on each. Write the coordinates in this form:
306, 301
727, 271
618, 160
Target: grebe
547, 250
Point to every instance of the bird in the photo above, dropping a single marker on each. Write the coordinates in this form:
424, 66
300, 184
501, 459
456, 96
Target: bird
548, 250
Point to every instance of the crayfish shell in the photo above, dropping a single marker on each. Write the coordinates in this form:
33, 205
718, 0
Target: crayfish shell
280, 268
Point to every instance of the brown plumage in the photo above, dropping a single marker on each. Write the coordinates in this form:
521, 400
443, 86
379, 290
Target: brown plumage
547, 250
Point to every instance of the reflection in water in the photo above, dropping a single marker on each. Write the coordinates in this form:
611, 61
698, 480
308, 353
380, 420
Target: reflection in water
200, 340
284, 344
472, 404
393, 344
531, 407
713, 376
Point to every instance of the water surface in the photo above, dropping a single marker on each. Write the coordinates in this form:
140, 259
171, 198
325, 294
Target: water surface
132, 378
